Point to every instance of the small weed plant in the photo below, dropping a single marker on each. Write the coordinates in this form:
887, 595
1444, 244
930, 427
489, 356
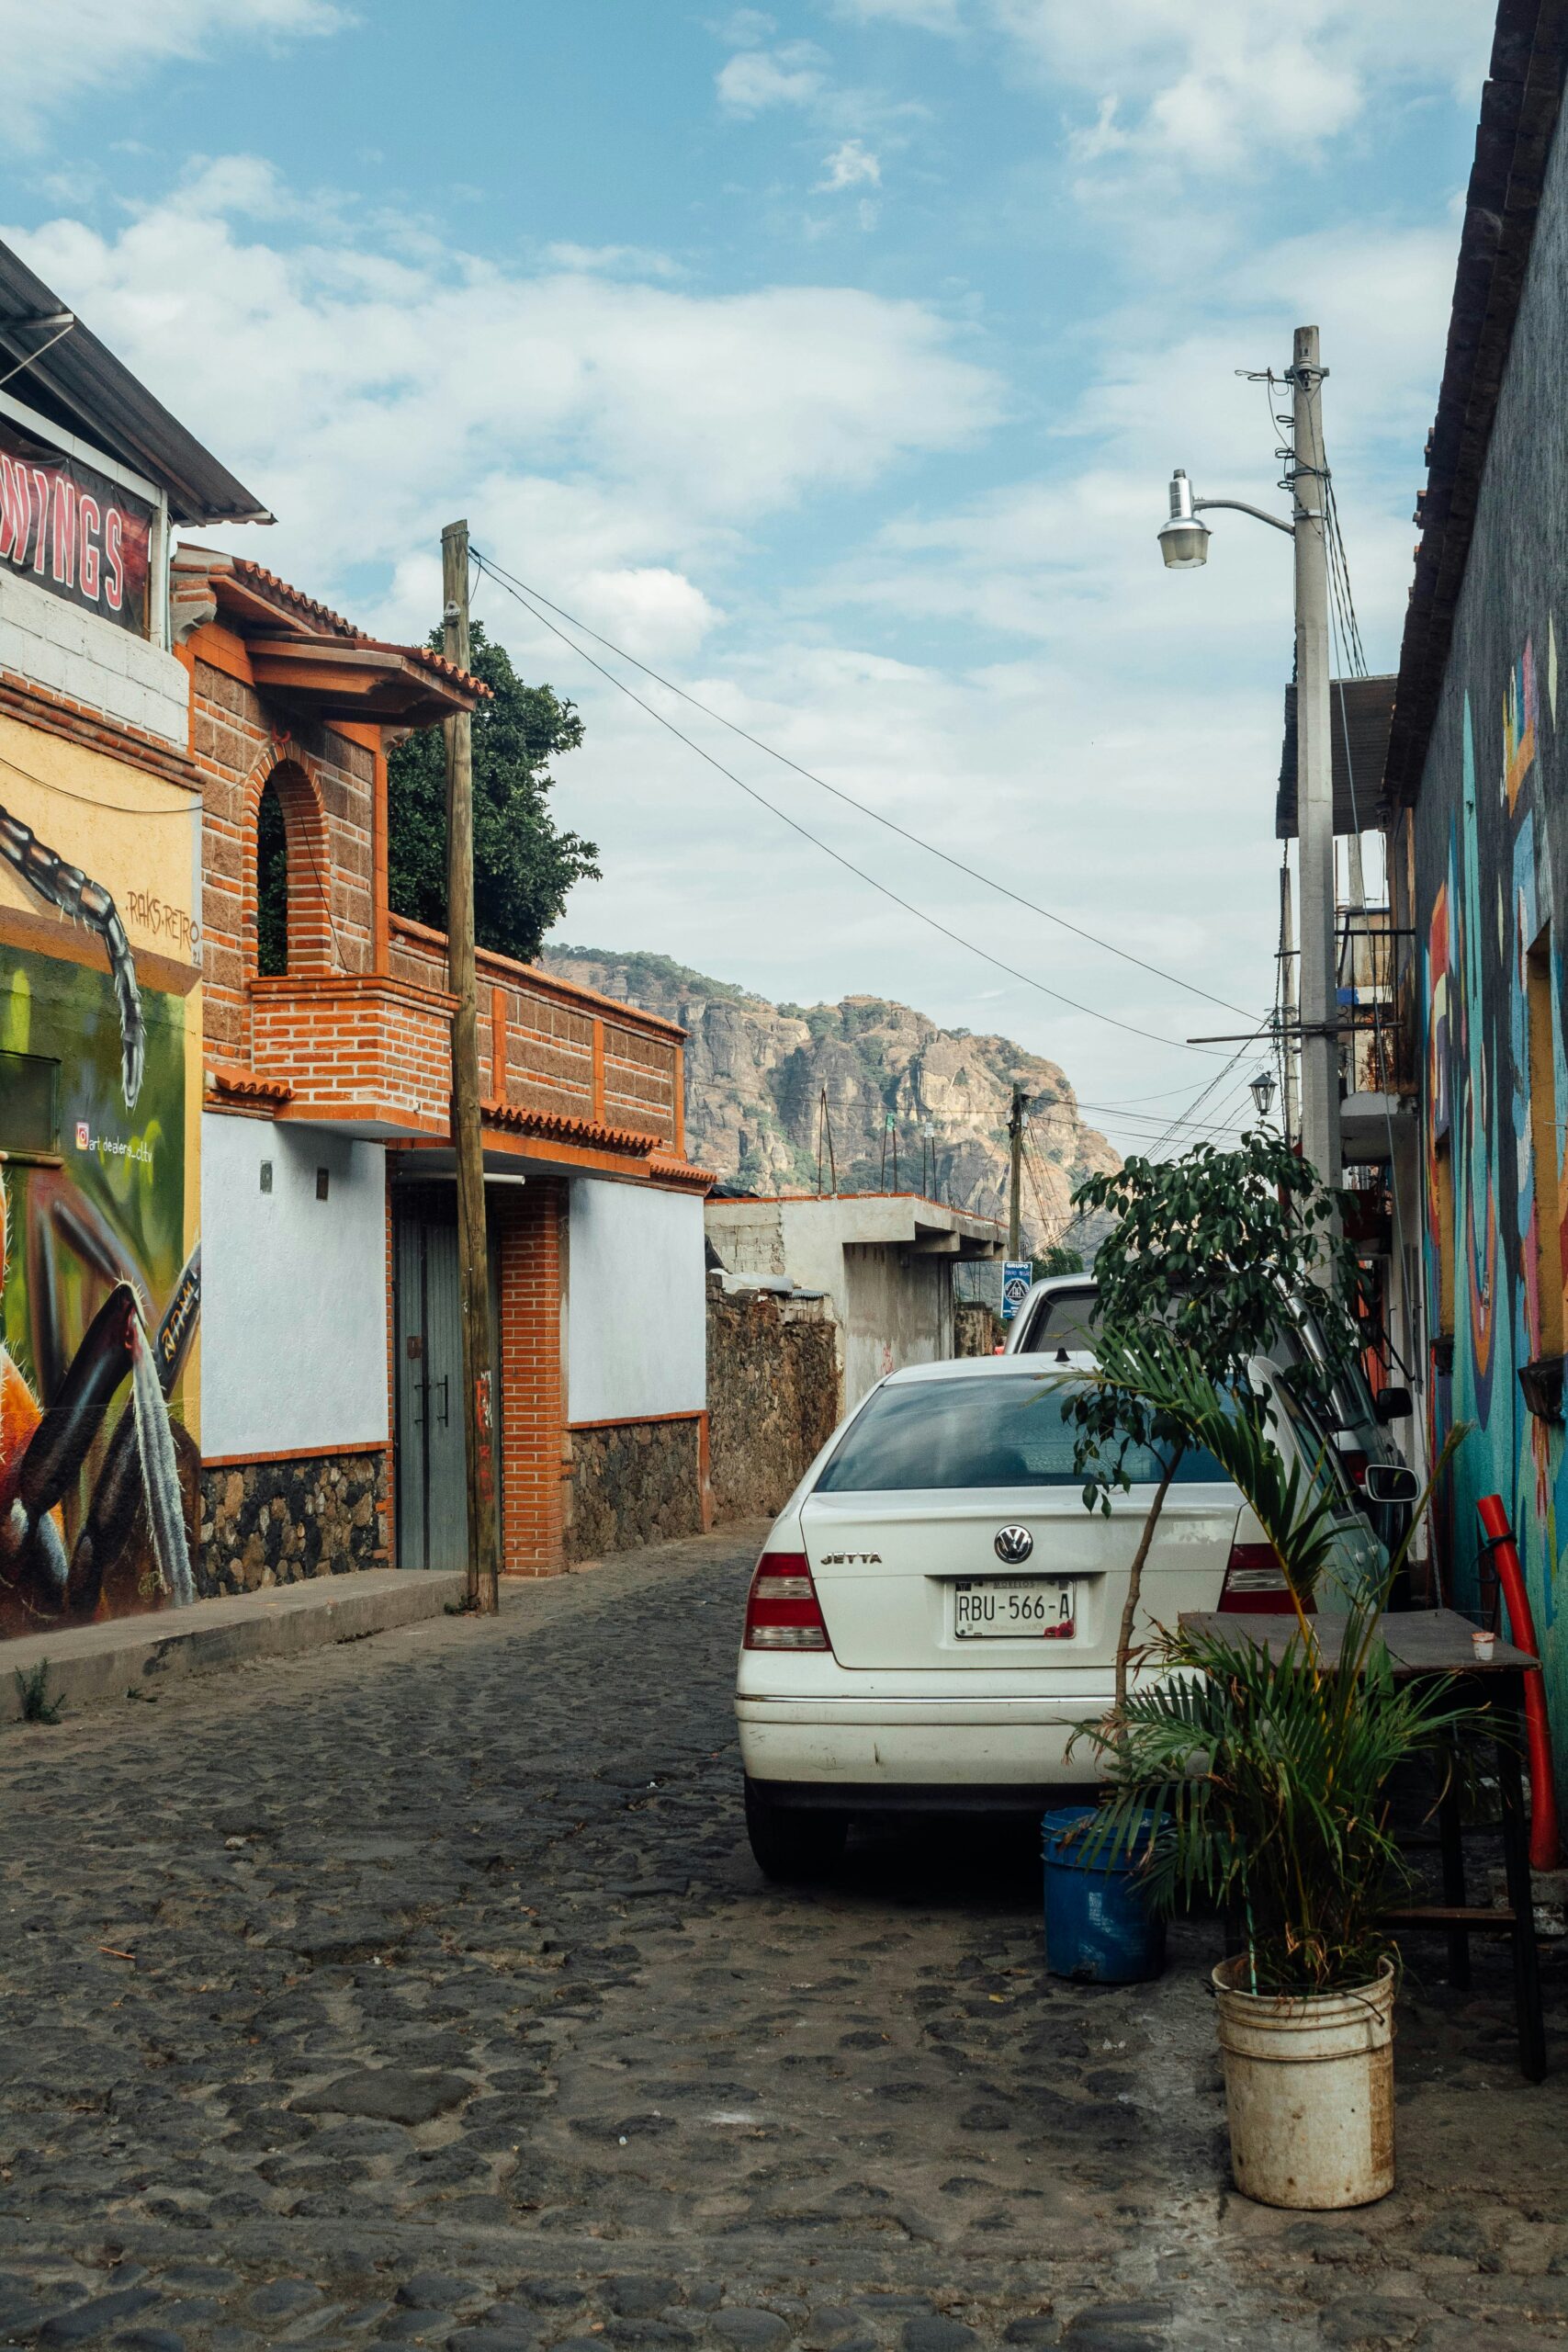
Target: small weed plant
34, 1699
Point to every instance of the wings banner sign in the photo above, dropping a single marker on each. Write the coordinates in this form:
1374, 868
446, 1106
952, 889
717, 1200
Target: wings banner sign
71, 530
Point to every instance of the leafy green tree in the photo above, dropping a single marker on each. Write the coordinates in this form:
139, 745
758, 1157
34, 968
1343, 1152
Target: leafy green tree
524, 865
1212, 1247
1057, 1260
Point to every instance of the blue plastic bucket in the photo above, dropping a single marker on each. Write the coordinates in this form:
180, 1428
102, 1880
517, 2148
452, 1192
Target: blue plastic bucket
1099, 1927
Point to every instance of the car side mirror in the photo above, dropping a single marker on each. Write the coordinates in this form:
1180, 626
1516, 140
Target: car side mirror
1390, 1482
1393, 1405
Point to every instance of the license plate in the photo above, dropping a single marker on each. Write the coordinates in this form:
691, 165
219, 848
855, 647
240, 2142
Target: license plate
1017, 1609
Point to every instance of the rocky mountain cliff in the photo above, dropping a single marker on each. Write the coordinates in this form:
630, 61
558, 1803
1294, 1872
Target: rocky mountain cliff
758, 1076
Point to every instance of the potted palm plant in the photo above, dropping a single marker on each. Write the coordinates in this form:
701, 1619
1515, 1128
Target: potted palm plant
1211, 1245
1271, 1776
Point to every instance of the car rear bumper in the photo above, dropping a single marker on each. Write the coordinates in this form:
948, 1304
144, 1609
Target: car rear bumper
891, 1750
1029, 1797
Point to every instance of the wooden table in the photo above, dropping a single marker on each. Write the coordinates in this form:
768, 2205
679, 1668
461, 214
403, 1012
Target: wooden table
1422, 1644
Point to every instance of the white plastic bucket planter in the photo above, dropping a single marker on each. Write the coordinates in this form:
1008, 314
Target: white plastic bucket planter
1309, 2086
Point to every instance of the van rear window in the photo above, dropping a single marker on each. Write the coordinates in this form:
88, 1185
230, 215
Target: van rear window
1066, 1318
1006, 1432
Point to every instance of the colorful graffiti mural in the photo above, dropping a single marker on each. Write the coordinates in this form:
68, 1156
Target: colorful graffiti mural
99, 1277
1488, 913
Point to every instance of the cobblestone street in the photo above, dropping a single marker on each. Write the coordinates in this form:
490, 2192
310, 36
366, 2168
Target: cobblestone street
424, 1991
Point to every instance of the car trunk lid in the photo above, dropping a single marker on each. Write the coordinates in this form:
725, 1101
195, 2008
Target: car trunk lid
888, 1568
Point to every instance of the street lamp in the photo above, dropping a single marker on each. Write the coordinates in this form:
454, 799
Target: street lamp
1183, 540
1184, 545
1263, 1092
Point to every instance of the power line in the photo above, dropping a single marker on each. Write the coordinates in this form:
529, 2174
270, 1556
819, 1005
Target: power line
519, 589
1212, 1087
997, 962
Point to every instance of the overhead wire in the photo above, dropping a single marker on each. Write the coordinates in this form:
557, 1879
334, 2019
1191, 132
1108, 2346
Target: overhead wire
864, 808
1212, 1087
998, 963
873, 1107
189, 807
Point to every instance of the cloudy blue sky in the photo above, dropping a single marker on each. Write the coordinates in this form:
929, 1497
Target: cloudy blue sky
830, 357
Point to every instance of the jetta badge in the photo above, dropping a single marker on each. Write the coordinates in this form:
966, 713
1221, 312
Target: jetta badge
1013, 1544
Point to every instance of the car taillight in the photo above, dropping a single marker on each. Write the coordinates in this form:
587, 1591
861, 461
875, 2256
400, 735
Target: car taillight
1256, 1585
782, 1609
1353, 1462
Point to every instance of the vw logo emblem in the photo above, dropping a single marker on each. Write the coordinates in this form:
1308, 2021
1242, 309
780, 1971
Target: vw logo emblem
1013, 1545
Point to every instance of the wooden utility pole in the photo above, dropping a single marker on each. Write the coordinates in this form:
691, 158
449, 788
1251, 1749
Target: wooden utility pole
1015, 1173
479, 1402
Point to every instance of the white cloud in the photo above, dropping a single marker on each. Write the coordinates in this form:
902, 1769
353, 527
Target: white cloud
1224, 84
1227, 84
657, 614
755, 79
745, 28
849, 165
634, 261
55, 56
359, 383
927, 15
244, 186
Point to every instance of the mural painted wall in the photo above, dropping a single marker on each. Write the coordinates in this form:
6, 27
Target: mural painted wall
1491, 905
100, 1038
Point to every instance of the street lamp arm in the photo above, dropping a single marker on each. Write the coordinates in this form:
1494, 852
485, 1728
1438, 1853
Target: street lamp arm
1240, 507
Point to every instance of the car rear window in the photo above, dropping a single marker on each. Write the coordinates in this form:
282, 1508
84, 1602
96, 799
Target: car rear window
980, 1432
1067, 1318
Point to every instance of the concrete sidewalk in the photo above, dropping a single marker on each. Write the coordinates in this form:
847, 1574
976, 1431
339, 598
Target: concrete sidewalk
92, 1663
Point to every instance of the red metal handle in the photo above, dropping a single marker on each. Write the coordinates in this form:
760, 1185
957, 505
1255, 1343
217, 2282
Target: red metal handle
1545, 1848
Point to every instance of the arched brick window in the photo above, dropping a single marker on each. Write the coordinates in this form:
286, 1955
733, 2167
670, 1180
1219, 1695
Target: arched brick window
272, 884
287, 914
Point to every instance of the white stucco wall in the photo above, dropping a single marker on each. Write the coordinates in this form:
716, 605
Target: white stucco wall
293, 1290
637, 1304
76, 654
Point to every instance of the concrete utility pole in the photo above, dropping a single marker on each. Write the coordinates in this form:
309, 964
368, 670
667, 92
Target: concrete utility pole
1289, 1008
1314, 770
1015, 1171
478, 1406
1184, 547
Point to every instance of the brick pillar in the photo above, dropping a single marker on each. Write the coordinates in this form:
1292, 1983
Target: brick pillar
529, 1222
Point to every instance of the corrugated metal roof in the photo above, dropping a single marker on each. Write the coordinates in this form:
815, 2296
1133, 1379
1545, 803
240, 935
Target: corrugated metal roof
78, 383
1360, 713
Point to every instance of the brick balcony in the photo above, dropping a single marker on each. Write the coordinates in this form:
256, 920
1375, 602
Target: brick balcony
366, 1054
556, 1058
567, 1075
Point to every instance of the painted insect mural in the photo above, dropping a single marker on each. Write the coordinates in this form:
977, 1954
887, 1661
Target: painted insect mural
67, 888
94, 1510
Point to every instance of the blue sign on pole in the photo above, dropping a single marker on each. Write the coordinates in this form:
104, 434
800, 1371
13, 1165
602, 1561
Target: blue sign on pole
1016, 1279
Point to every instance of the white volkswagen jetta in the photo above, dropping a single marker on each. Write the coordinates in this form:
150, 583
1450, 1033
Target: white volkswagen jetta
935, 1610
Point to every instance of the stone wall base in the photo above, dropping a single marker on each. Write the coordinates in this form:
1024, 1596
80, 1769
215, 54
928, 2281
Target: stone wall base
773, 1390
975, 1330
278, 1522
634, 1482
